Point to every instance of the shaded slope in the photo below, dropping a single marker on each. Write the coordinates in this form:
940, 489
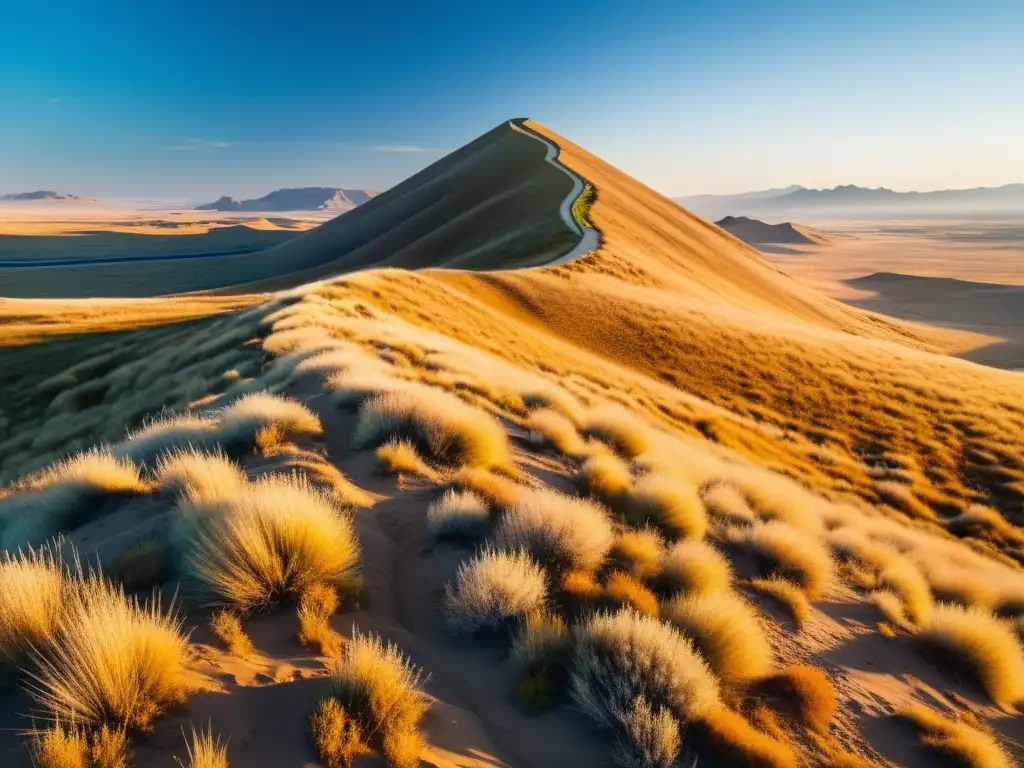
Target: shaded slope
755, 232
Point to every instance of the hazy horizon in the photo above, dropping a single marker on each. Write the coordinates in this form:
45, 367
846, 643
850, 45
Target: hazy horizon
691, 100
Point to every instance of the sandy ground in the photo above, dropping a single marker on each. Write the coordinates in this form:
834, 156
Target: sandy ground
952, 274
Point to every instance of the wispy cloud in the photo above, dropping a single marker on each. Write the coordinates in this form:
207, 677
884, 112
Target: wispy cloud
405, 148
196, 145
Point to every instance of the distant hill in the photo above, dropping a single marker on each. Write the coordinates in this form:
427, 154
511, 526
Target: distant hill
45, 194
851, 194
300, 199
757, 232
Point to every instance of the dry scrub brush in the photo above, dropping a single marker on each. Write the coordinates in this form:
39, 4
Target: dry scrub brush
499, 492
803, 692
113, 660
694, 567
623, 590
228, 629
639, 552
443, 427
459, 516
606, 477
380, 687
336, 734
564, 533
279, 537
204, 750
646, 737
197, 474
976, 642
241, 421
72, 746
792, 554
165, 433
619, 658
733, 741
670, 504
316, 606
33, 594
727, 631
620, 429
549, 427
400, 457
492, 590
957, 740
786, 594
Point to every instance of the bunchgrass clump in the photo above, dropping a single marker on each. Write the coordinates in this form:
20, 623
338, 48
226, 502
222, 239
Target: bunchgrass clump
337, 736
564, 533
977, 643
549, 427
542, 644
316, 606
638, 552
72, 746
460, 516
606, 477
785, 594
492, 591
228, 629
804, 693
646, 738
33, 590
670, 504
204, 750
241, 422
617, 427
400, 457
277, 538
907, 582
957, 740
694, 567
166, 433
732, 740
792, 554
197, 474
623, 590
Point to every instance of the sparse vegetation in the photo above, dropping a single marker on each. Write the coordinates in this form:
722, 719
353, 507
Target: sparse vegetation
460, 516
71, 746
205, 750
337, 736
957, 740
400, 457
694, 567
199, 475
670, 505
792, 554
803, 692
493, 590
316, 606
228, 629
784, 593
734, 741
33, 591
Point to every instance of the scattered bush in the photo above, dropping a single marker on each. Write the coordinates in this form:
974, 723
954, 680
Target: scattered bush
639, 552
71, 746
228, 629
33, 591
499, 492
492, 590
626, 591
563, 532
978, 643
400, 457
316, 606
619, 429
166, 433
669, 504
621, 657
694, 567
646, 738
792, 554
906, 581
542, 643
196, 474
786, 594
606, 477
113, 661
724, 501
279, 537
727, 631
957, 740
439, 424
338, 738
735, 742
549, 427
205, 751
804, 692
459, 516
890, 606
241, 421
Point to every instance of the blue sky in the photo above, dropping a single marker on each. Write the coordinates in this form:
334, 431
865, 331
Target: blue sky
193, 98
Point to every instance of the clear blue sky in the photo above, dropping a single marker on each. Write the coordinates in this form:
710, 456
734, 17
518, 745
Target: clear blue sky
197, 98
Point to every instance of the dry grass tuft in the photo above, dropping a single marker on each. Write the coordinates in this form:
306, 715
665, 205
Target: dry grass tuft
241, 422
228, 629
60, 746
906, 580
725, 502
316, 606
377, 685
639, 552
498, 491
624, 590
647, 738
804, 692
459, 516
727, 631
621, 657
786, 594
619, 429
956, 740
492, 590
542, 643
338, 738
564, 533
205, 750
400, 457
439, 424
279, 537
33, 590
735, 742
113, 661
166, 433
549, 427
976, 642
792, 554
890, 606
694, 567
669, 504
606, 477
196, 474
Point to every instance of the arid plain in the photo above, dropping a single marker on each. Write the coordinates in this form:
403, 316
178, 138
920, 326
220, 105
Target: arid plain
391, 491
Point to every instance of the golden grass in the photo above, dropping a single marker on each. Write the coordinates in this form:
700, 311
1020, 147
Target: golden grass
735, 742
564, 533
803, 692
723, 501
60, 746
786, 594
316, 606
975, 642
792, 554
624, 590
337, 736
166, 433
646, 738
197, 475
549, 427
606, 477
694, 567
620, 429
956, 740
458, 516
443, 427
727, 631
241, 421
670, 504
639, 552
402, 748
542, 643
907, 581
620, 657
379, 686
228, 629
492, 590
498, 491
204, 750
33, 591
400, 457
278, 538
113, 661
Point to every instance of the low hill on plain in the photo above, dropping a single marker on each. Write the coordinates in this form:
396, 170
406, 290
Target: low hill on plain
296, 199
755, 232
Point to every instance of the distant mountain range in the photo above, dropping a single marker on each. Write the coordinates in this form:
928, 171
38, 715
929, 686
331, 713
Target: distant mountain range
301, 199
45, 194
851, 200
